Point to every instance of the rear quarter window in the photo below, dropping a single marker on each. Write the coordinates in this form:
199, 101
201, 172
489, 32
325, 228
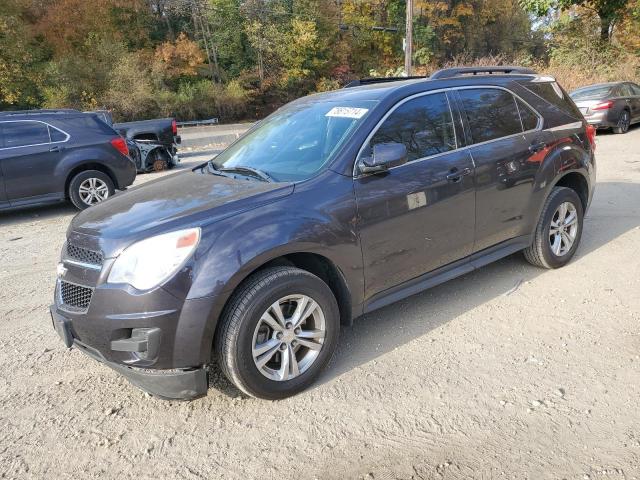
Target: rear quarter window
90, 122
554, 97
56, 135
528, 116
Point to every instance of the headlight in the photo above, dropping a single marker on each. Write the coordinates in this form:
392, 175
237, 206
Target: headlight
148, 263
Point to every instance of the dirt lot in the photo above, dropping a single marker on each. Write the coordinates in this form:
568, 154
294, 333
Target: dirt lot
509, 372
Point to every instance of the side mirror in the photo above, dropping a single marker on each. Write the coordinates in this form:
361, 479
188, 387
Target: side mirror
385, 156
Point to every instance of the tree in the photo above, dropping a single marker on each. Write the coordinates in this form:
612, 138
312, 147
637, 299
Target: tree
21, 60
608, 11
179, 58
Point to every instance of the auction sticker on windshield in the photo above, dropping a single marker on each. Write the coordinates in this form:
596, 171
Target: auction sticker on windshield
347, 112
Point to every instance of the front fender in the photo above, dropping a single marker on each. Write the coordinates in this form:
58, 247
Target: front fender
319, 218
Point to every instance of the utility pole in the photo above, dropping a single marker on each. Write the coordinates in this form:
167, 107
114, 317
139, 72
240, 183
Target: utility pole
408, 43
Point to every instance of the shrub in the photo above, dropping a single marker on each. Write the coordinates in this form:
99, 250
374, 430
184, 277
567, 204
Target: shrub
203, 99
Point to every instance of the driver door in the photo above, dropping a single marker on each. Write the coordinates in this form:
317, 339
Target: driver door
419, 216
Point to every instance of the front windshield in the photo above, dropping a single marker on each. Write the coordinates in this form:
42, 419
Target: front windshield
296, 141
592, 92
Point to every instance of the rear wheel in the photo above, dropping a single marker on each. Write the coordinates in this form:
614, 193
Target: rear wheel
559, 230
90, 188
159, 160
278, 332
624, 121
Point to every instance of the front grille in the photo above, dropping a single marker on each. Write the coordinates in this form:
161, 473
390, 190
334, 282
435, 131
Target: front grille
84, 255
75, 296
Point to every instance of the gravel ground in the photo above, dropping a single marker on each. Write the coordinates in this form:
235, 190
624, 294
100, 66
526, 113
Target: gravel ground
508, 372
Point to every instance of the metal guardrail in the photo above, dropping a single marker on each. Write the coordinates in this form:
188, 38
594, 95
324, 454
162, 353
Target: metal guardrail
199, 123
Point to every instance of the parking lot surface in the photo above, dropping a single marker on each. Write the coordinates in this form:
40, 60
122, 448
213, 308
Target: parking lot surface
508, 372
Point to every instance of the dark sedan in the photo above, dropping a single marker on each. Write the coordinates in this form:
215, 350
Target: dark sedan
609, 105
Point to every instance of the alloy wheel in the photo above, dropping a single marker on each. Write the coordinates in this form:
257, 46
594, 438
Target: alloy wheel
288, 337
563, 229
93, 190
624, 121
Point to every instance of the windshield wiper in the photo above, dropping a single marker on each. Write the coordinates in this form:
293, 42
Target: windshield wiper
213, 170
250, 170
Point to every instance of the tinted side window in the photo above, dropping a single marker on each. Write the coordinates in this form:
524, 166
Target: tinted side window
491, 113
423, 124
554, 95
635, 88
528, 116
18, 134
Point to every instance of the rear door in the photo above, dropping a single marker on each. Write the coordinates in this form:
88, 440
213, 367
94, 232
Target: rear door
632, 92
418, 216
29, 158
506, 159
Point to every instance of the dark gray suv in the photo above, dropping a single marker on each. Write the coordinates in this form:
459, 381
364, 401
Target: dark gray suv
48, 156
335, 205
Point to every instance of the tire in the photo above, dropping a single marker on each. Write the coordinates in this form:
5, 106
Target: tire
83, 198
623, 122
541, 253
242, 327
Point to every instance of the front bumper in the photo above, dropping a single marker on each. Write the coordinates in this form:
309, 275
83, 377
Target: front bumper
174, 384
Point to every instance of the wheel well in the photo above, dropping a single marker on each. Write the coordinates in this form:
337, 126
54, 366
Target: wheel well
146, 136
323, 268
578, 183
88, 166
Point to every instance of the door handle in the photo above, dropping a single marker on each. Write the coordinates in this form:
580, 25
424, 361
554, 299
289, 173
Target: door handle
57, 148
536, 147
455, 175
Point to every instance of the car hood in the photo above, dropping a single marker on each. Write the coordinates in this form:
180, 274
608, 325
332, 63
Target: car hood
177, 201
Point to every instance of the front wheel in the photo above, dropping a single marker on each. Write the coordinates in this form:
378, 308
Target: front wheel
89, 188
278, 332
559, 230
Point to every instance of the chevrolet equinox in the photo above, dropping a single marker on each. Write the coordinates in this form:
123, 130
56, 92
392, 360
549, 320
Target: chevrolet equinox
335, 205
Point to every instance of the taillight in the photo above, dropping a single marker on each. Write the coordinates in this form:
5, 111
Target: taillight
174, 127
120, 144
591, 135
603, 106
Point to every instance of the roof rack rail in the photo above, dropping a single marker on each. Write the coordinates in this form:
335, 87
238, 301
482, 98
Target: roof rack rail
39, 112
374, 80
459, 71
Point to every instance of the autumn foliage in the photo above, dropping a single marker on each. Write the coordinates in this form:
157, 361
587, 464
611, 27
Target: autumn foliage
239, 59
